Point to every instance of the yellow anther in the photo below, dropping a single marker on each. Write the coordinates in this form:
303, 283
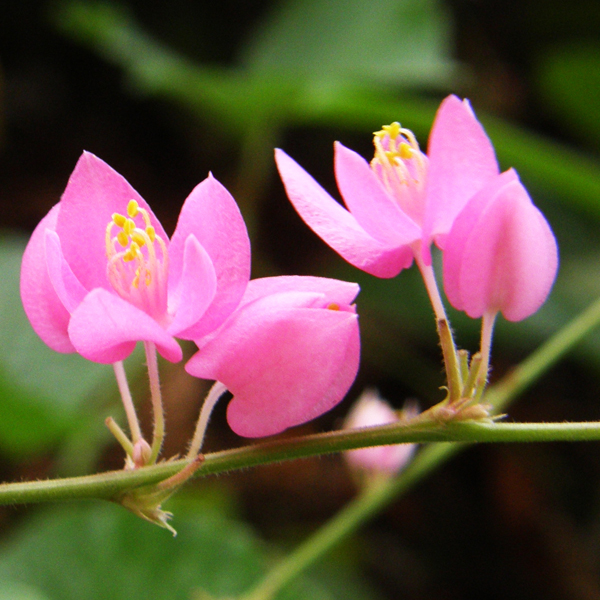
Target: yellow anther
118, 219
123, 239
393, 130
138, 238
129, 226
132, 253
151, 232
132, 208
333, 306
405, 150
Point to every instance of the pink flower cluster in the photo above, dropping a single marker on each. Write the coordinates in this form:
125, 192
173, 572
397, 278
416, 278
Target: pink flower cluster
100, 274
499, 252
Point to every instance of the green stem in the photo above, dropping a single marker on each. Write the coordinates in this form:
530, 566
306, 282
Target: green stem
369, 503
157, 405
114, 483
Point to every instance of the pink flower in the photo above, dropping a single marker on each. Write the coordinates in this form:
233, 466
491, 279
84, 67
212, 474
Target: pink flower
100, 274
288, 354
371, 410
403, 200
500, 255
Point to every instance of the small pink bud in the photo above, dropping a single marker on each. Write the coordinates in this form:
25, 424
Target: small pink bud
500, 255
141, 453
368, 411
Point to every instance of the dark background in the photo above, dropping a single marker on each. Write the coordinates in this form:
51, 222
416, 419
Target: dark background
518, 521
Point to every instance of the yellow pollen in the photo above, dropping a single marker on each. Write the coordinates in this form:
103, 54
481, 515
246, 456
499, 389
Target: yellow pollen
129, 226
118, 219
151, 232
405, 151
132, 208
123, 239
138, 238
333, 306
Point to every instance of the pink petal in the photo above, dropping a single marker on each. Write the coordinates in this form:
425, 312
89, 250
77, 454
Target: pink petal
66, 285
369, 203
105, 328
95, 191
47, 314
330, 290
212, 216
461, 162
284, 363
507, 261
336, 226
195, 291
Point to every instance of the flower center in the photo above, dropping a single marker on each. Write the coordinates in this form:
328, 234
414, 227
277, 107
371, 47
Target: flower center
401, 167
138, 261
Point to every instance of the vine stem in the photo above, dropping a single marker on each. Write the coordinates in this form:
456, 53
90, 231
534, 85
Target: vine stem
112, 484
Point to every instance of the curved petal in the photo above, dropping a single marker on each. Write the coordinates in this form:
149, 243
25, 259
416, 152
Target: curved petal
66, 285
375, 211
94, 192
284, 364
461, 162
211, 214
105, 328
333, 290
509, 260
44, 309
457, 243
195, 291
336, 226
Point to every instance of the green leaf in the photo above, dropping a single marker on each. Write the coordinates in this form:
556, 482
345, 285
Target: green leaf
41, 391
98, 551
569, 80
401, 42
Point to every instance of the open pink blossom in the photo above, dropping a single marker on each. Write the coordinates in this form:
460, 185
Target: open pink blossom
500, 255
100, 273
288, 354
371, 410
403, 200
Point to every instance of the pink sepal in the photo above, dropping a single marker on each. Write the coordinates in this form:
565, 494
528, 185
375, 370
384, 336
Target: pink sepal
66, 285
105, 328
94, 192
47, 314
338, 227
212, 216
461, 161
286, 358
501, 254
374, 209
196, 288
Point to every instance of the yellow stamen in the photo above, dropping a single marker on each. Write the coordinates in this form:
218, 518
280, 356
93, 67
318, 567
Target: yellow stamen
405, 151
132, 208
333, 306
151, 232
123, 239
129, 226
118, 219
138, 238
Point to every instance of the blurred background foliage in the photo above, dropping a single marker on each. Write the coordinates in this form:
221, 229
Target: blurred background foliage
165, 92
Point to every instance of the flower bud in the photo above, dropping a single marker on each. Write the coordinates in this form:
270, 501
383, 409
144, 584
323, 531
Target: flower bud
368, 411
500, 255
